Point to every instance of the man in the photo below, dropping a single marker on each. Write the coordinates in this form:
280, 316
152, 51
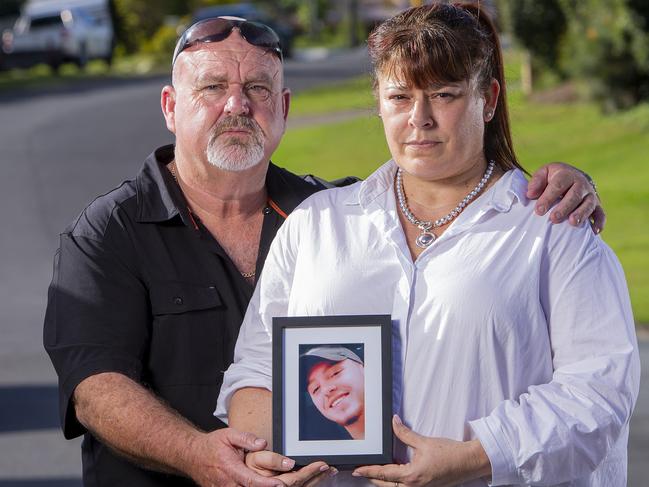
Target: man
152, 280
334, 378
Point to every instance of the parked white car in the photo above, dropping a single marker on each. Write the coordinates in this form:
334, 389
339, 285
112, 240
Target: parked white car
54, 32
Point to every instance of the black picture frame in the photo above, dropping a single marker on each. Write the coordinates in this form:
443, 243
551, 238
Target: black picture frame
365, 340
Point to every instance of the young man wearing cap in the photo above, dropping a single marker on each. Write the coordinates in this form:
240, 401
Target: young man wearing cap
335, 380
152, 280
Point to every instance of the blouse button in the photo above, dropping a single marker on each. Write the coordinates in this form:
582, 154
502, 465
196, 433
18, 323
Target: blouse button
178, 301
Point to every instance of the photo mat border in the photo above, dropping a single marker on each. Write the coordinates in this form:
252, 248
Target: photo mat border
348, 461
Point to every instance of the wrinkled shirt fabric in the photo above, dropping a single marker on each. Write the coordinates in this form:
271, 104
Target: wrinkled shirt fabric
508, 329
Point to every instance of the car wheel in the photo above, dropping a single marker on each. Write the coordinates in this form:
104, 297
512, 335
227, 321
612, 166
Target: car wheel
108, 59
55, 66
82, 60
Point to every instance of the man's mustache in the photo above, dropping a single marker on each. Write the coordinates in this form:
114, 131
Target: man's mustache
237, 122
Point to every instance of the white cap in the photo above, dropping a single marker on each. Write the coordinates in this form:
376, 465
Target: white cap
335, 353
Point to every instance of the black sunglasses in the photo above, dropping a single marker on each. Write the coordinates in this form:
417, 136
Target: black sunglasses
217, 28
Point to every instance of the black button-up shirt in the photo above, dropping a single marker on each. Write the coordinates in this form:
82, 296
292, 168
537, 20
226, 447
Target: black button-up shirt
142, 289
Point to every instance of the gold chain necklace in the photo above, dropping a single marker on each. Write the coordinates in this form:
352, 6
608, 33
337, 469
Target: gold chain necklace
172, 170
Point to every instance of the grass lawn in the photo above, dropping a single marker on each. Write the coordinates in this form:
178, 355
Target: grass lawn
42, 75
346, 96
612, 149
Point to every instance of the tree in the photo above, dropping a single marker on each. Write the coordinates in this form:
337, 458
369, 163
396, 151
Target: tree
137, 20
539, 26
607, 43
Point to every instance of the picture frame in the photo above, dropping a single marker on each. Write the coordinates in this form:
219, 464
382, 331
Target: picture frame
332, 389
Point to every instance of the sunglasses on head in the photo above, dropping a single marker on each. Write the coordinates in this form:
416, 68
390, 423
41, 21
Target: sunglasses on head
217, 28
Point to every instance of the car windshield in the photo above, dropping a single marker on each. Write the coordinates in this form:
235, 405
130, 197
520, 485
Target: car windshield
48, 21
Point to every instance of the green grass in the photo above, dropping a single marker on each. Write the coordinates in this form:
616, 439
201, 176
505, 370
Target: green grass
42, 75
612, 149
354, 94
355, 147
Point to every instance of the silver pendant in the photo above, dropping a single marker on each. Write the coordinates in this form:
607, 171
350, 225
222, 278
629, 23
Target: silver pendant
425, 239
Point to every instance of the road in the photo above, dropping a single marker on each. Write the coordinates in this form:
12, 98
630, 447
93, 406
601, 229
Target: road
61, 147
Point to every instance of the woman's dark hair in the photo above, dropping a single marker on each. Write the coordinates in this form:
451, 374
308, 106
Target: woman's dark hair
447, 43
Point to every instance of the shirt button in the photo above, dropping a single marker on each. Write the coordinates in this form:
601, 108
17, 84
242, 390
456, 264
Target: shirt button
178, 301
267, 210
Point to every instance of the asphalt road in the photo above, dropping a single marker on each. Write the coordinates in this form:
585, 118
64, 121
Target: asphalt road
59, 148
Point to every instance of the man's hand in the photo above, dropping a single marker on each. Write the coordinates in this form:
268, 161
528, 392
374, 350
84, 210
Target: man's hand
579, 200
267, 463
437, 462
222, 454
250, 410
143, 429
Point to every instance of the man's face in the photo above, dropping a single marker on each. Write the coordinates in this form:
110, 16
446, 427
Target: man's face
338, 390
228, 105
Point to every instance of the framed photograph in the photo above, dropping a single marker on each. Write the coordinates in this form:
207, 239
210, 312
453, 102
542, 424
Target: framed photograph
332, 389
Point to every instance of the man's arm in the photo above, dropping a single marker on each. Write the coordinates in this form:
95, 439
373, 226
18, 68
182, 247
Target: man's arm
135, 423
576, 191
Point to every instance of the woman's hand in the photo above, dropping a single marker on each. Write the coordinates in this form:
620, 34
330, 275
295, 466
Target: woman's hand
438, 462
579, 199
270, 464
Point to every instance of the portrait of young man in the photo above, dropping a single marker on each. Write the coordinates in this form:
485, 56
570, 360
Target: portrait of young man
332, 392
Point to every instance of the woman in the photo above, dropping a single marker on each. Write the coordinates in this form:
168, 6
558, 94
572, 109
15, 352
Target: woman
334, 380
515, 359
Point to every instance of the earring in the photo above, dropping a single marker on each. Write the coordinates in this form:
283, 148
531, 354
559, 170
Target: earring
488, 115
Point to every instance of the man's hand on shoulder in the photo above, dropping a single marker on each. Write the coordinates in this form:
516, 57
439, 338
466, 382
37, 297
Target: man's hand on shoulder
576, 191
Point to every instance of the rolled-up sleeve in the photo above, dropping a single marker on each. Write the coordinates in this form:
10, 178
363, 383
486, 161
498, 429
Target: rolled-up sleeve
568, 428
252, 365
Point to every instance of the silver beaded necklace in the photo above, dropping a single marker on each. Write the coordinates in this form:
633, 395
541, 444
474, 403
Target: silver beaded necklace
427, 237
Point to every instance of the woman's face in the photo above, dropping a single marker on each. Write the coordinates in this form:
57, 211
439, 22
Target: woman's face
437, 132
338, 390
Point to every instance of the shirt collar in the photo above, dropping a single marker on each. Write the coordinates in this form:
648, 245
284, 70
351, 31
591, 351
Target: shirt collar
377, 184
157, 193
159, 198
510, 187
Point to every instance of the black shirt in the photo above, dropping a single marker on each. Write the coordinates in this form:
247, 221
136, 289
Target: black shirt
140, 288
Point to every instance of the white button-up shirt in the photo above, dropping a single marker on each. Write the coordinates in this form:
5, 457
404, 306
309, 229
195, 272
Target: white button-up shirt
508, 329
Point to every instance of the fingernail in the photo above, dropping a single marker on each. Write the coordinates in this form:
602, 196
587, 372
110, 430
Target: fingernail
542, 209
333, 471
288, 463
356, 474
578, 220
324, 468
556, 215
397, 419
260, 442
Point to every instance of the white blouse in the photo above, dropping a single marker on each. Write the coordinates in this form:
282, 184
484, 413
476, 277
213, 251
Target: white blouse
508, 329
